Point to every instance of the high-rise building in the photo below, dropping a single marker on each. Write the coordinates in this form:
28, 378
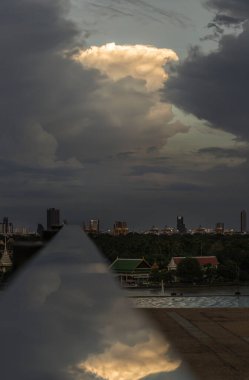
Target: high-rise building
219, 228
180, 225
6, 227
243, 226
120, 228
94, 226
53, 218
40, 229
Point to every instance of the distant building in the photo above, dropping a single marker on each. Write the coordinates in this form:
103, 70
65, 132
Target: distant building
243, 226
53, 218
168, 230
5, 260
120, 228
230, 231
152, 231
204, 261
92, 226
21, 231
131, 272
40, 229
219, 228
6, 227
180, 225
199, 230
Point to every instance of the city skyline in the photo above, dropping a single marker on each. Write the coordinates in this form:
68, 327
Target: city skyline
97, 224
133, 110
180, 224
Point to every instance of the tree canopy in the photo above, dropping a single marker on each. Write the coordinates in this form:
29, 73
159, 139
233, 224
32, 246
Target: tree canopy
189, 270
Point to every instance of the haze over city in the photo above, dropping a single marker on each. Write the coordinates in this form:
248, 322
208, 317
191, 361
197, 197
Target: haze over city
131, 111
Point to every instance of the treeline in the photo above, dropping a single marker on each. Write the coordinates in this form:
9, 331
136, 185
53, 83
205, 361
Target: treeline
232, 251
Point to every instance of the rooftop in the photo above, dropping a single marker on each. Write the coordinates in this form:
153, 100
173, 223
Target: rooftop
203, 260
129, 265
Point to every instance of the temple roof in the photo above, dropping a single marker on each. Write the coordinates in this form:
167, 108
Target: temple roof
129, 265
5, 260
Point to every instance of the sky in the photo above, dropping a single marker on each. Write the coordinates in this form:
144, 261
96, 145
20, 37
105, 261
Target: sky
124, 110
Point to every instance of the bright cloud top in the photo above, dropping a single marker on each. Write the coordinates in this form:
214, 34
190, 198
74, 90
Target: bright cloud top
138, 61
144, 359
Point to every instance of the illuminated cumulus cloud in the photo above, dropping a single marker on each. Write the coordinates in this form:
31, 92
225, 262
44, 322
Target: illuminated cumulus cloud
138, 61
125, 110
125, 362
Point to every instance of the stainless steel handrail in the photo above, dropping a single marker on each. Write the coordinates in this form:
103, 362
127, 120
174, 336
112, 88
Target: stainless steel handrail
63, 317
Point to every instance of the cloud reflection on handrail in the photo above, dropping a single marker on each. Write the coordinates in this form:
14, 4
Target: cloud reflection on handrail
64, 318
124, 362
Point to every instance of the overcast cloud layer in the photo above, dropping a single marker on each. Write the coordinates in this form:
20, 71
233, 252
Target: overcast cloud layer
86, 129
58, 116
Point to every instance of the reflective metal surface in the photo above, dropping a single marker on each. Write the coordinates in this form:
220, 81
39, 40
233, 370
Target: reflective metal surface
64, 318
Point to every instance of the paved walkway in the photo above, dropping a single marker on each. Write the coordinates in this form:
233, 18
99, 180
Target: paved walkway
214, 342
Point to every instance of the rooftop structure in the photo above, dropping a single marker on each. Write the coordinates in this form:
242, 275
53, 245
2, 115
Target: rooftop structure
219, 228
92, 226
6, 227
5, 261
243, 223
53, 218
120, 228
152, 231
202, 260
180, 225
168, 230
130, 265
131, 272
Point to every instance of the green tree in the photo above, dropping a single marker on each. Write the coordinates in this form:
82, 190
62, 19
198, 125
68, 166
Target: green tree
155, 276
210, 274
167, 276
189, 270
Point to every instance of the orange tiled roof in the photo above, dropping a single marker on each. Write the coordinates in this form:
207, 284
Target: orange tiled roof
203, 260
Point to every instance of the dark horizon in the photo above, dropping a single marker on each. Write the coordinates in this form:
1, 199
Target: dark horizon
133, 225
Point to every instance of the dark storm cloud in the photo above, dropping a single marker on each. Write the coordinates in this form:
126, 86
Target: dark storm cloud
44, 18
185, 187
107, 10
217, 28
41, 90
214, 87
234, 8
152, 149
42, 93
223, 152
125, 155
226, 20
215, 36
140, 170
230, 14
138, 8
